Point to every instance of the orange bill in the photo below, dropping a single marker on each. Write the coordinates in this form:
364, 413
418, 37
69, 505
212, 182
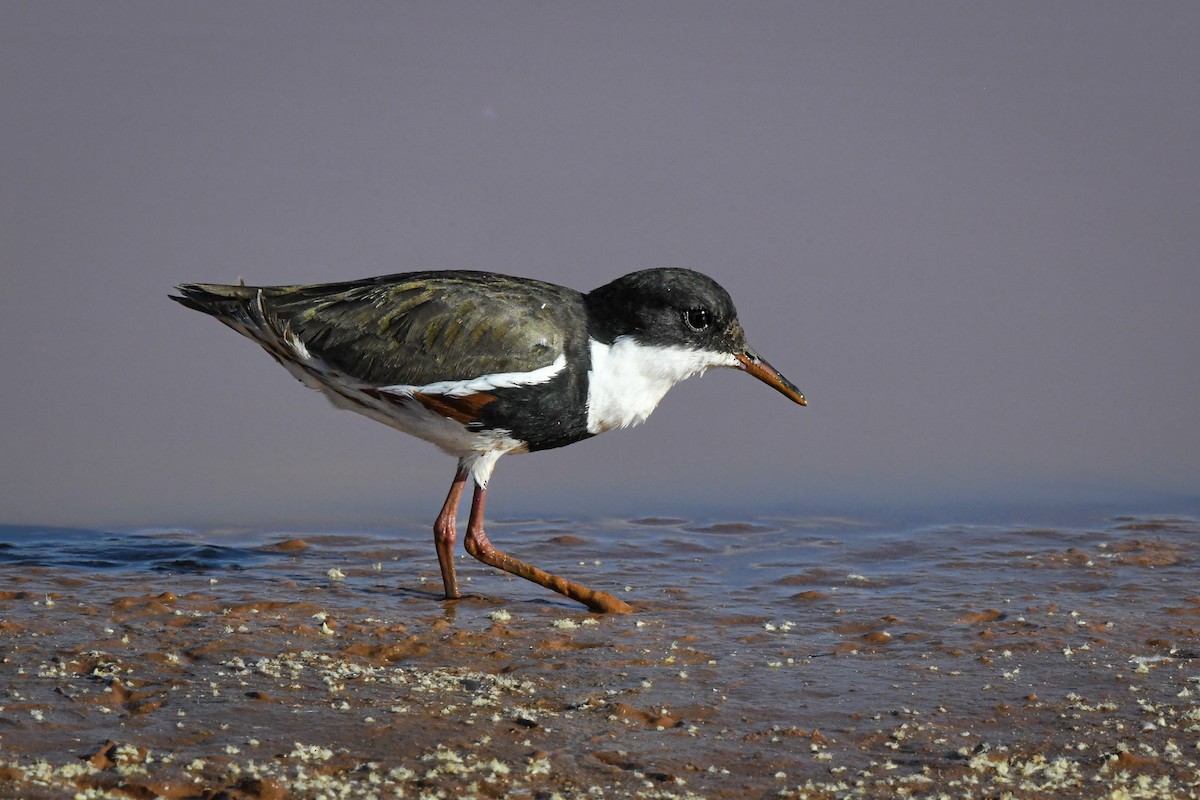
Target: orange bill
757, 366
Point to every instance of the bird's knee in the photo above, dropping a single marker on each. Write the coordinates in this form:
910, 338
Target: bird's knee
444, 532
480, 548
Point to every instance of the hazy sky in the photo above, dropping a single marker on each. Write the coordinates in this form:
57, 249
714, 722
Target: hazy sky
970, 233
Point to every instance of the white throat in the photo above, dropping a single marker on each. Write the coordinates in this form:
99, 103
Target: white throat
627, 379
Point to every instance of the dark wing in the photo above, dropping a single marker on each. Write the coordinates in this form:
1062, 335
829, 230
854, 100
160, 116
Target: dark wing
420, 328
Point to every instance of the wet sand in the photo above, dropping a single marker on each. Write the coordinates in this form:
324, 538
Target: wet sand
807, 658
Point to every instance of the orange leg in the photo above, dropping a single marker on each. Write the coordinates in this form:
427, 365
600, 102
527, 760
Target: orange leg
477, 544
444, 533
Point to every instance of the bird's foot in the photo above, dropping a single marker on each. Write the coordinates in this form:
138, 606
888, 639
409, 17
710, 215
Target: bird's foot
601, 602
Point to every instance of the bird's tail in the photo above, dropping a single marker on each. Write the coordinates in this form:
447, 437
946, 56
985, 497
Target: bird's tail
246, 310
227, 303
249, 311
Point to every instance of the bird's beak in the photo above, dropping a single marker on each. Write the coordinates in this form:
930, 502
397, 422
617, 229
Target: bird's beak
756, 365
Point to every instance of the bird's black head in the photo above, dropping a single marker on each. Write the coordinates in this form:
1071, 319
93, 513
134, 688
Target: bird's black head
681, 309
666, 307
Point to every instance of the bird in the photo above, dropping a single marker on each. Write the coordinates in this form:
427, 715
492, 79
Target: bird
482, 364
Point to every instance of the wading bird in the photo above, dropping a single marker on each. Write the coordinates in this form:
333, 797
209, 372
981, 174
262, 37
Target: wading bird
482, 365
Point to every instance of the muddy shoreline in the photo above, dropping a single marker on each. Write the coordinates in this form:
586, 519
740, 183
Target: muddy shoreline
332, 669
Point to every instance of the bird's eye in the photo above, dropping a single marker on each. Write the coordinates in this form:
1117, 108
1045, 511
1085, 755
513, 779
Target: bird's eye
698, 319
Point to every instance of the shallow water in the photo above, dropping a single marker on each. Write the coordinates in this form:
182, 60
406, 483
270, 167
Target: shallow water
803, 656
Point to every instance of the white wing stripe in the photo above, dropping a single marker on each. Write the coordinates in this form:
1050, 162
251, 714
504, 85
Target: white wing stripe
484, 383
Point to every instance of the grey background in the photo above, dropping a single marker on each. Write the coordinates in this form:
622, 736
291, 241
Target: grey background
969, 232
